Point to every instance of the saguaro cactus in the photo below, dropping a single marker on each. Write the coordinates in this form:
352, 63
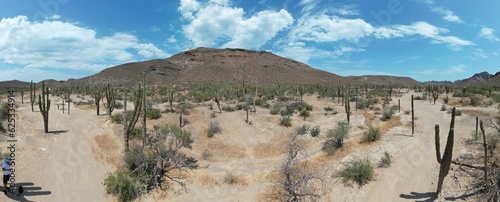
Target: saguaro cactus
412, 117
347, 106
44, 105
32, 95
129, 124
97, 99
445, 160
110, 100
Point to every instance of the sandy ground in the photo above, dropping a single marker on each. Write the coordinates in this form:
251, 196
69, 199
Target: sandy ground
70, 163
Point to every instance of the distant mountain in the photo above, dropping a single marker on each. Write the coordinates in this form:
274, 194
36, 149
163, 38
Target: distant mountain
495, 79
479, 78
14, 84
383, 80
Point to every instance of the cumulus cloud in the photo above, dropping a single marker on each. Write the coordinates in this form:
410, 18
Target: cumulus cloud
488, 33
324, 28
64, 45
216, 23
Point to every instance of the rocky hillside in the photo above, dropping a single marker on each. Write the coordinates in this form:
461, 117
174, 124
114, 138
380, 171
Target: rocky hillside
213, 65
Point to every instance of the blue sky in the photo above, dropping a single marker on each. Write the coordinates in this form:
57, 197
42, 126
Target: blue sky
422, 39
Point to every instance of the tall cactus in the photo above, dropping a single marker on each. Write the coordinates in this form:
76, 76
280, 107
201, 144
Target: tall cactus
347, 106
412, 117
97, 99
110, 100
32, 95
44, 105
129, 124
444, 161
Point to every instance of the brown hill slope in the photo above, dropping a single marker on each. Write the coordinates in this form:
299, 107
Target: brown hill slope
213, 65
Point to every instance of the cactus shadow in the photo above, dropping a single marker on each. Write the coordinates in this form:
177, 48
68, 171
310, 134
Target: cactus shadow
29, 190
58, 132
420, 197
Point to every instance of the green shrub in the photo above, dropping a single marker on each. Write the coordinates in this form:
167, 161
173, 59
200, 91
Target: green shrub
388, 112
372, 134
136, 133
475, 100
315, 131
275, 109
445, 100
335, 138
386, 160
153, 113
117, 118
304, 113
443, 107
357, 170
230, 178
227, 108
122, 185
286, 121
213, 127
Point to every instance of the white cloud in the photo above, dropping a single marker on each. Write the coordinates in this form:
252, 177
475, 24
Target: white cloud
188, 7
447, 14
64, 45
488, 33
324, 28
455, 69
345, 10
479, 54
218, 24
425, 30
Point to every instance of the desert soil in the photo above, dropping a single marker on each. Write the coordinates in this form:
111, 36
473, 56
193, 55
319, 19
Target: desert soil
70, 163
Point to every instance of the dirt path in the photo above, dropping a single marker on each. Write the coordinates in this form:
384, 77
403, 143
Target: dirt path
59, 166
413, 175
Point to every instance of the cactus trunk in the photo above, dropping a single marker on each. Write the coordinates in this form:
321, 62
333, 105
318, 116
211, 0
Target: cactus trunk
445, 162
44, 105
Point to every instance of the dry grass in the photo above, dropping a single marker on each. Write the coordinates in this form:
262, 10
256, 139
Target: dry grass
391, 123
107, 149
477, 113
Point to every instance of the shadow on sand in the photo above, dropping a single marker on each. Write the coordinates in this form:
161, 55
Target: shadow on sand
29, 190
420, 197
58, 132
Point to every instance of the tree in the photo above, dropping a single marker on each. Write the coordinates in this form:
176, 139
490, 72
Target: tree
295, 182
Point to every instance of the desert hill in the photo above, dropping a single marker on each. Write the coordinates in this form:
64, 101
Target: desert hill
383, 80
205, 65
13, 84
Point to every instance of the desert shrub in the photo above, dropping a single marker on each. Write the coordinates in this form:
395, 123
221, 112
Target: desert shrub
262, 102
301, 130
328, 109
492, 143
407, 112
365, 103
446, 100
388, 112
239, 106
443, 107
457, 112
118, 105
206, 154
122, 185
213, 114
213, 127
357, 170
286, 121
339, 134
83, 102
4, 111
136, 133
386, 160
459, 94
230, 178
117, 118
372, 134
315, 131
475, 100
335, 138
227, 108
275, 109
304, 113
153, 113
